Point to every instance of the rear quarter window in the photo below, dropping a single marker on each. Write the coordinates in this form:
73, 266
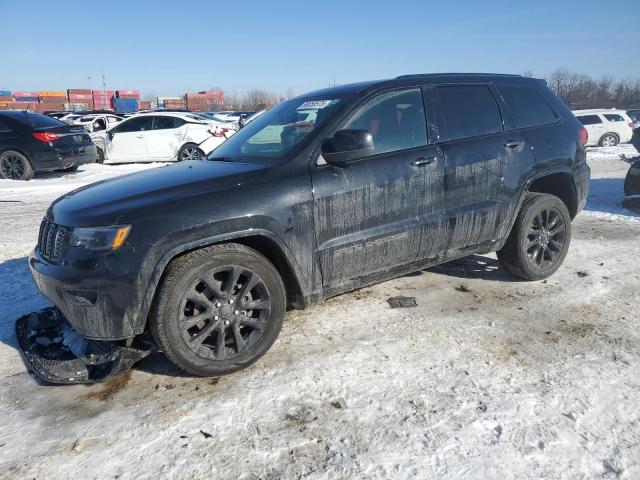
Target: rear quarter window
612, 117
526, 106
469, 111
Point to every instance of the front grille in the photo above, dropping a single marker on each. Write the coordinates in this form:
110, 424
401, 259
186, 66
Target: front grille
53, 240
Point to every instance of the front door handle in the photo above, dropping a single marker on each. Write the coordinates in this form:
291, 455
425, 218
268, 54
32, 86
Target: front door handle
139, 136
514, 145
422, 161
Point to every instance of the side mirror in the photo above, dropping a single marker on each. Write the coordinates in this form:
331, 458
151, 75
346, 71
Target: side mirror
110, 133
347, 145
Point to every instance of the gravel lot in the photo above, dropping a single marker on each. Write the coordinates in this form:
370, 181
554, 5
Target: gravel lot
487, 378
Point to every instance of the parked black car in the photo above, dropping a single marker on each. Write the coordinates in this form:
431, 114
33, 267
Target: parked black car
323, 194
30, 142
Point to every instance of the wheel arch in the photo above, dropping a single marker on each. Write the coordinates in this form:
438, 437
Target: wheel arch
263, 242
609, 133
561, 185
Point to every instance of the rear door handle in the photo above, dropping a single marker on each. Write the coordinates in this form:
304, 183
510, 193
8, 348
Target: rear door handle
422, 161
514, 144
139, 136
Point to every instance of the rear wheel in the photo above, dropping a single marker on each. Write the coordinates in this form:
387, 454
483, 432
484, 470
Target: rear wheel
609, 140
219, 309
15, 166
190, 151
539, 239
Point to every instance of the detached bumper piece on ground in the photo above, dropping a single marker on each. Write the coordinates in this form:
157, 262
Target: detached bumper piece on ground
57, 354
632, 187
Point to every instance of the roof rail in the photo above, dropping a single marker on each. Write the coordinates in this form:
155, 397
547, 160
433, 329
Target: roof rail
422, 75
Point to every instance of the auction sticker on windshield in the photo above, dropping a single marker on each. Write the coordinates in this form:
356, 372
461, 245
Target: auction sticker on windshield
316, 104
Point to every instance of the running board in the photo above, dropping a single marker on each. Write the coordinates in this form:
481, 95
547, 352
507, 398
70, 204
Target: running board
56, 353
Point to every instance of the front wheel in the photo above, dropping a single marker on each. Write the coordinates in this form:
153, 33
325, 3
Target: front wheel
539, 239
219, 309
190, 151
15, 166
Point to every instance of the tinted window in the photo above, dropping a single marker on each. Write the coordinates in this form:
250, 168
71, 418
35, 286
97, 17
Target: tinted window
613, 117
163, 123
526, 106
282, 128
36, 121
395, 120
138, 124
468, 111
589, 119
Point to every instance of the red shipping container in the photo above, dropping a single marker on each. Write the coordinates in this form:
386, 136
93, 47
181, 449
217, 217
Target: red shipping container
79, 96
79, 91
26, 94
127, 93
4, 98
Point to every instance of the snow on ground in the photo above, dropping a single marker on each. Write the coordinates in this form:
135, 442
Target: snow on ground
501, 379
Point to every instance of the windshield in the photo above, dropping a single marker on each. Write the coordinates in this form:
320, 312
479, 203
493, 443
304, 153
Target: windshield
280, 129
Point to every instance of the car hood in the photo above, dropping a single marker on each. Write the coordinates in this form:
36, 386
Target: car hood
109, 201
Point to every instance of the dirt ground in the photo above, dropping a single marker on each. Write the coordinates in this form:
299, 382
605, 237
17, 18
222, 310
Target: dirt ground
487, 377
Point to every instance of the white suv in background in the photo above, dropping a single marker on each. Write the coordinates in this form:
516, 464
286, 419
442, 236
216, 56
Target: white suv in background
606, 127
157, 137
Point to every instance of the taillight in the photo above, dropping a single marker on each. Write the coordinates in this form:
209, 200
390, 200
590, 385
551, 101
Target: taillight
46, 136
584, 135
630, 124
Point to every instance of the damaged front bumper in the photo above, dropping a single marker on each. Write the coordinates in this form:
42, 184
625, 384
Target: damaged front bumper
56, 353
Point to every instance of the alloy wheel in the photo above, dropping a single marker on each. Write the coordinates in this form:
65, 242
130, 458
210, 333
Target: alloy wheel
546, 237
12, 167
609, 141
191, 153
224, 313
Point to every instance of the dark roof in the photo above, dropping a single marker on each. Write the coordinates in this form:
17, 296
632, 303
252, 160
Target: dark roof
404, 79
16, 114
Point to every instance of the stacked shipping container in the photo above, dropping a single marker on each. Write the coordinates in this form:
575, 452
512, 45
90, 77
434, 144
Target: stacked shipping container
123, 101
79, 99
126, 101
102, 99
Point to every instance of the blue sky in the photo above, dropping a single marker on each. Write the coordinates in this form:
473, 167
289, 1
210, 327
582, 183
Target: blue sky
167, 48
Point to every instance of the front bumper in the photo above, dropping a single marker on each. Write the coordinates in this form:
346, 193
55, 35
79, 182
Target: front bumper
94, 292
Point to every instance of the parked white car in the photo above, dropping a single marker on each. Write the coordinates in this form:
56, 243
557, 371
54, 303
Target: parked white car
96, 122
606, 127
157, 137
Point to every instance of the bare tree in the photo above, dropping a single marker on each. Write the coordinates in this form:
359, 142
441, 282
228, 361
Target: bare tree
581, 91
258, 99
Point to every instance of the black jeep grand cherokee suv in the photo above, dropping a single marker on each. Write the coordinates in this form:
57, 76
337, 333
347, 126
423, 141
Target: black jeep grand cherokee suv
324, 193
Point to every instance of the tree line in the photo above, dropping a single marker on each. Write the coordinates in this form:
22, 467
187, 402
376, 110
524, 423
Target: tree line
580, 91
577, 90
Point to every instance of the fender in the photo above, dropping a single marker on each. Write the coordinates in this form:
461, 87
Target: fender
151, 271
525, 185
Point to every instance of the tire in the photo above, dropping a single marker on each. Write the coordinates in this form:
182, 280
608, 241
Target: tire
533, 251
609, 140
199, 313
15, 166
189, 151
100, 158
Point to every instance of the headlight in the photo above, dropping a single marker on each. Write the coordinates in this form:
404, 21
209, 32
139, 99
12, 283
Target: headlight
100, 239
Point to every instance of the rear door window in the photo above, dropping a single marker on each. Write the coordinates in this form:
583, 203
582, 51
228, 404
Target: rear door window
163, 123
468, 111
526, 106
589, 119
